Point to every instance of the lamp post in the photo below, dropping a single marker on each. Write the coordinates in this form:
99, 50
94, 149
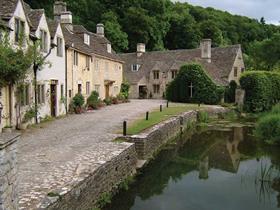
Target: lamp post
36, 67
1, 109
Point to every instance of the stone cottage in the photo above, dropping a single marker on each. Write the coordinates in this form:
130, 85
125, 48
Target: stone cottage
91, 62
150, 72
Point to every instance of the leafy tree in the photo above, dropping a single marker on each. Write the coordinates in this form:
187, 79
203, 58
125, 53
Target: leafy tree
209, 29
114, 31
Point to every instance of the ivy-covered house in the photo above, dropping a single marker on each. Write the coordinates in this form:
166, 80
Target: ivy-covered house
149, 73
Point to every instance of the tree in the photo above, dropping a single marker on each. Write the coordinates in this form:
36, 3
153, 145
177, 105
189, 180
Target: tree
114, 32
14, 65
209, 29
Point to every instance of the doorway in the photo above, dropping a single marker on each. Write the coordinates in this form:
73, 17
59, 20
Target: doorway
53, 100
107, 91
143, 92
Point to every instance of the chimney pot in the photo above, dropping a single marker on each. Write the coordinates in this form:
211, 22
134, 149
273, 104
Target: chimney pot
58, 8
141, 48
205, 46
100, 29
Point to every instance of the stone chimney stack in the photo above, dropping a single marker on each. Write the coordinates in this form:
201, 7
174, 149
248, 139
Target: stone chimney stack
100, 29
205, 46
62, 15
141, 48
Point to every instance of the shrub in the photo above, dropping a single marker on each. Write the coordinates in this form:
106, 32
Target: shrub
77, 103
268, 128
29, 115
262, 90
121, 97
93, 100
107, 101
125, 89
202, 117
230, 92
204, 90
276, 109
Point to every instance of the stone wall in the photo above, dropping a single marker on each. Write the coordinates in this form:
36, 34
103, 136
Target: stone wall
8, 171
151, 140
148, 142
86, 192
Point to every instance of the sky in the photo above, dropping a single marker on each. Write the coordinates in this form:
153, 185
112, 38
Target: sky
269, 9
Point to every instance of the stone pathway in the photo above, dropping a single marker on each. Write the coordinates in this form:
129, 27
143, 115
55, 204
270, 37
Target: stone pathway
53, 157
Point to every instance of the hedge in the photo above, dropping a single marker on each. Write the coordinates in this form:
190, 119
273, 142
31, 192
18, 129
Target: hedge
262, 90
204, 89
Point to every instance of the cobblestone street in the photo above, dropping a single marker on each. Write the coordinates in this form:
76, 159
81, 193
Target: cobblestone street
52, 157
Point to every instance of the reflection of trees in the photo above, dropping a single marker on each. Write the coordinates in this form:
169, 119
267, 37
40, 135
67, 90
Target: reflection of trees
276, 187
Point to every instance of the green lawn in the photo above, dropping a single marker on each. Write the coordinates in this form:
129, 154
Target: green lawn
156, 117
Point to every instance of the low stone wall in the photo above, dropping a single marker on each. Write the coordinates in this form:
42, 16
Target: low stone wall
89, 189
152, 139
8, 171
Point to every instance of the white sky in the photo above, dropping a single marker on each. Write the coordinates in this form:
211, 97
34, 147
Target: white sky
269, 9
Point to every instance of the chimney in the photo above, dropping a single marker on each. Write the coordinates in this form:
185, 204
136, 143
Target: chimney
141, 48
100, 29
62, 15
205, 46
58, 8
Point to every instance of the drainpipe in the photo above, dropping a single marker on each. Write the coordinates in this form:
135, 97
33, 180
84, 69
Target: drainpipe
66, 86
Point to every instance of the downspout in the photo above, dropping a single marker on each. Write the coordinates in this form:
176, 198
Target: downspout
66, 86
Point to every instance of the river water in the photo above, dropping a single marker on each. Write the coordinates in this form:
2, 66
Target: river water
218, 169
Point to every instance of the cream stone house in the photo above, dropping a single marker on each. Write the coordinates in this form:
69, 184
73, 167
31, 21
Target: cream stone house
13, 16
91, 62
150, 72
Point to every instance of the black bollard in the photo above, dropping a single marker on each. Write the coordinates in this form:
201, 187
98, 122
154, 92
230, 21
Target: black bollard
160, 108
124, 127
167, 104
147, 115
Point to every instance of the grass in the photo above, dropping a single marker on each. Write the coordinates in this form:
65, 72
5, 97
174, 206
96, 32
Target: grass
156, 117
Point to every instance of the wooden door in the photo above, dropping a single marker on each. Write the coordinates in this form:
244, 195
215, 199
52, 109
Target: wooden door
107, 89
53, 100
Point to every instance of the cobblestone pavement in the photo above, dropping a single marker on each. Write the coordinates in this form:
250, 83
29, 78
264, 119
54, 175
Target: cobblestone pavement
52, 157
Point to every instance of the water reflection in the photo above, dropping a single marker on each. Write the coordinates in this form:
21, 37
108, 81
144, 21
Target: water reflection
212, 170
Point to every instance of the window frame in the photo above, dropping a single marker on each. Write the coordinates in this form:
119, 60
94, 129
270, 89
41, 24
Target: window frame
156, 88
59, 48
19, 28
156, 74
76, 58
87, 88
44, 40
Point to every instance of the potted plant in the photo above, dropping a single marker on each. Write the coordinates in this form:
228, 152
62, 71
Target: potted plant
78, 102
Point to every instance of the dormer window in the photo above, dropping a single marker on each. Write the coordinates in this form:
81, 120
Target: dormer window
109, 48
19, 29
87, 39
135, 67
43, 41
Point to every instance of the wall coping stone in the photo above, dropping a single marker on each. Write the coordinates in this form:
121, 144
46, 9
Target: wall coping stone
7, 139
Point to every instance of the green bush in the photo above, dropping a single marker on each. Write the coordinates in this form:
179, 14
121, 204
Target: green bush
93, 100
108, 101
262, 90
202, 117
230, 92
78, 100
204, 89
29, 115
276, 109
268, 128
125, 89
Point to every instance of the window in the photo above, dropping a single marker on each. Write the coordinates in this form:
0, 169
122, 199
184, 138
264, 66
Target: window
80, 88
87, 88
116, 90
88, 58
61, 91
97, 88
235, 71
156, 74
24, 95
135, 67
19, 29
70, 93
41, 94
174, 73
76, 58
86, 39
44, 41
109, 48
59, 48
156, 89
96, 64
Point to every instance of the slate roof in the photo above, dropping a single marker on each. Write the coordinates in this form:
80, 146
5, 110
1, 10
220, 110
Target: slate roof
98, 45
220, 67
7, 8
